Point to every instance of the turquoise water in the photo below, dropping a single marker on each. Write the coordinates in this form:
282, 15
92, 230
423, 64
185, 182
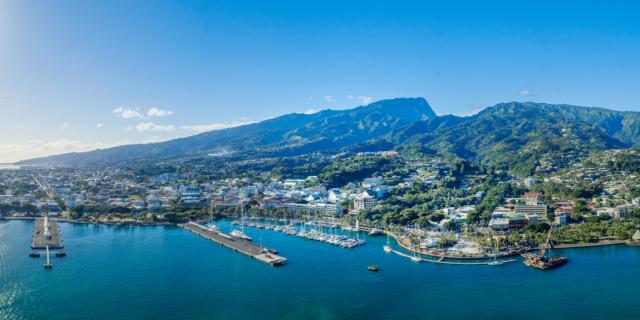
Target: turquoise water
168, 273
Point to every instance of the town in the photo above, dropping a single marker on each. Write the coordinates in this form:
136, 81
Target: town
433, 206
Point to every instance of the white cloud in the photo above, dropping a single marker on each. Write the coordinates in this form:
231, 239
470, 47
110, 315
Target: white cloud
150, 126
64, 126
217, 126
362, 99
329, 99
157, 112
39, 148
127, 113
365, 99
99, 125
311, 111
525, 93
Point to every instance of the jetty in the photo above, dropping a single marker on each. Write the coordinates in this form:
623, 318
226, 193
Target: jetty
245, 247
46, 234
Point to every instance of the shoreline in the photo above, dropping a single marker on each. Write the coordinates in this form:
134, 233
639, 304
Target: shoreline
485, 257
107, 223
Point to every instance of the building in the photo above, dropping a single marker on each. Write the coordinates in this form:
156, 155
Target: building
363, 202
561, 218
528, 209
532, 197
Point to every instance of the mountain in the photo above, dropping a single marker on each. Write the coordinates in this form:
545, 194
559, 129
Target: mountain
519, 136
290, 134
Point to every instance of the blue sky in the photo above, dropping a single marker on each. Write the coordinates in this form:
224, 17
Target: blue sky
76, 75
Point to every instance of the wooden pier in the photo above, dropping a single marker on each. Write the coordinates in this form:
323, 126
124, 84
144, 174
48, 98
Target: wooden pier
236, 244
46, 233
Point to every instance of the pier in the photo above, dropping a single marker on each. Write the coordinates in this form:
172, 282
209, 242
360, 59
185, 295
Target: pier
236, 244
46, 234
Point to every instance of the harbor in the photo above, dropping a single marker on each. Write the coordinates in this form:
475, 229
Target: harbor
243, 246
311, 230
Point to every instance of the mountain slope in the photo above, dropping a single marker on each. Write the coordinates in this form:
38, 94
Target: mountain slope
286, 135
520, 135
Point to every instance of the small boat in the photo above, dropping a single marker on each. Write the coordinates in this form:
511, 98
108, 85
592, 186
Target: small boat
416, 259
375, 232
387, 249
373, 268
34, 255
60, 254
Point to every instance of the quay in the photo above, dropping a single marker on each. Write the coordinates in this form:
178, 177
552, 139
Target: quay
236, 244
46, 234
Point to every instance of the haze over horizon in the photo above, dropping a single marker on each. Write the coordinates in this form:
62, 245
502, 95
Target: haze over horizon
79, 76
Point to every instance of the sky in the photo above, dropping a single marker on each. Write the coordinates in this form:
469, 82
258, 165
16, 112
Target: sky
80, 75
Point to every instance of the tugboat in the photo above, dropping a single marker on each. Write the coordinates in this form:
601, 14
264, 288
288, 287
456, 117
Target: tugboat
373, 268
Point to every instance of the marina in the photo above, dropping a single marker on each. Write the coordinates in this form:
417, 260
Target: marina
311, 230
243, 246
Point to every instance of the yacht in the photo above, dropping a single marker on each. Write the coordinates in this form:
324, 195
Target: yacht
240, 234
387, 249
375, 232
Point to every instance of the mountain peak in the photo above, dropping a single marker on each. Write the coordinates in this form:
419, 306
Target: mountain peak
405, 108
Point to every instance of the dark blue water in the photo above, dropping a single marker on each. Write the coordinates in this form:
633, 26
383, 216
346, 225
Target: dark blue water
168, 273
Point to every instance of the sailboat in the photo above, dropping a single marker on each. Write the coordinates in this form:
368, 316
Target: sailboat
240, 233
495, 261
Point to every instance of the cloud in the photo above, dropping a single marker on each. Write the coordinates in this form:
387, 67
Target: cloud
217, 126
329, 99
311, 111
99, 125
362, 99
127, 113
525, 93
150, 126
64, 126
40, 148
157, 112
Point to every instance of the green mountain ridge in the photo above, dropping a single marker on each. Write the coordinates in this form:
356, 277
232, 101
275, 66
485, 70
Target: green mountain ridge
522, 136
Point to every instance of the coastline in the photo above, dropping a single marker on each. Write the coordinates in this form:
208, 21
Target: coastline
108, 223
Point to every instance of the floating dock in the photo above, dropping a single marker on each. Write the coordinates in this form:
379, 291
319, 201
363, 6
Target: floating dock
46, 233
236, 244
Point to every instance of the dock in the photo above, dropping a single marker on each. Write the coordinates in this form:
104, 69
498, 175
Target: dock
236, 244
46, 234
